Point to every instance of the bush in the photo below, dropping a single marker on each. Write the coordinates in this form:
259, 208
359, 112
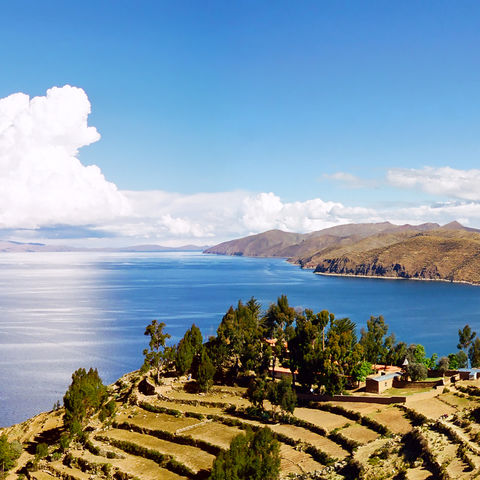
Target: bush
205, 372
41, 451
417, 372
254, 456
65, 440
9, 453
417, 419
353, 470
83, 398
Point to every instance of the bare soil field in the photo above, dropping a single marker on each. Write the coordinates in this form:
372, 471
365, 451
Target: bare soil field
359, 433
215, 433
323, 443
160, 421
133, 465
392, 418
328, 421
294, 461
432, 408
192, 457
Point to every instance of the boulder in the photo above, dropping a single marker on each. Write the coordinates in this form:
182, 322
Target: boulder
146, 388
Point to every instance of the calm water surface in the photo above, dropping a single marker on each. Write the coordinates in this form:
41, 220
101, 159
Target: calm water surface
61, 311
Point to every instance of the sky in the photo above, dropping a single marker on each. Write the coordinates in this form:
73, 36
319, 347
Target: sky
178, 122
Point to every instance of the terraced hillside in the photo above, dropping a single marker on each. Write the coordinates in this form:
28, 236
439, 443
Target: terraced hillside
175, 435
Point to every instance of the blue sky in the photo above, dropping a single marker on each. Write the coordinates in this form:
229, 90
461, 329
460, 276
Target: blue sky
343, 102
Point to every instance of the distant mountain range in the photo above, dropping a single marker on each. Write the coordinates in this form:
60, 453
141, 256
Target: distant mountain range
10, 246
428, 251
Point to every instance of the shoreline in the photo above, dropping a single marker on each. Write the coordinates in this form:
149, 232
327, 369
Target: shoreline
381, 277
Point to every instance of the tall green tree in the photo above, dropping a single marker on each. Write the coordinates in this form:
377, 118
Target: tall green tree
257, 391
189, 349
253, 456
239, 343
465, 338
84, 397
281, 394
304, 348
155, 355
277, 319
474, 353
374, 340
205, 372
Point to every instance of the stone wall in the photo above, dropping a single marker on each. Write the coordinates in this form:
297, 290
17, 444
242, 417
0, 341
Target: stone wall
407, 384
304, 397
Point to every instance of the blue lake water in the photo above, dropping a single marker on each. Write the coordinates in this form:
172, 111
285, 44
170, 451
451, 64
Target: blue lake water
61, 311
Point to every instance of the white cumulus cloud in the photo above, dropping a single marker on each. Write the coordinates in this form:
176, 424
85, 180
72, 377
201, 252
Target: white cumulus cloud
351, 181
44, 187
443, 181
42, 182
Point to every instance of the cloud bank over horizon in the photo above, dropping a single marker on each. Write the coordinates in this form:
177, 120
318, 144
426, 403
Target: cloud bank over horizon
44, 188
42, 182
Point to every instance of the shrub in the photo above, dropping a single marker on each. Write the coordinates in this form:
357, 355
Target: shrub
417, 371
417, 419
83, 398
9, 453
41, 451
65, 440
353, 470
254, 456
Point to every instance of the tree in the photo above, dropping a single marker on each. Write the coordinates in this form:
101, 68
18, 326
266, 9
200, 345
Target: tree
84, 397
253, 456
9, 453
474, 353
361, 370
465, 338
452, 361
281, 394
462, 359
189, 348
276, 320
205, 372
183, 357
443, 365
41, 450
417, 371
257, 391
239, 344
154, 357
322, 320
374, 341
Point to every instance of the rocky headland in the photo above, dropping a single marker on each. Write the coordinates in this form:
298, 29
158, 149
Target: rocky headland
381, 250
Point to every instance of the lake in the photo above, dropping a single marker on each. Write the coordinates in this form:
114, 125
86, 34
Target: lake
62, 311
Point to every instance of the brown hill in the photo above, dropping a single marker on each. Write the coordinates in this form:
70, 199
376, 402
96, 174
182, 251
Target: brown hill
440, 254
426, 251
276, 243
267, 244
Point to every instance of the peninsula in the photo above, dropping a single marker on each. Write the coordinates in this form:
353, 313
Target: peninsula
384, 250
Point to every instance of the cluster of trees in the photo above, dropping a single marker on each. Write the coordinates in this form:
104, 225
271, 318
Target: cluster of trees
189, 356
321, 351
468, 342
86, 396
